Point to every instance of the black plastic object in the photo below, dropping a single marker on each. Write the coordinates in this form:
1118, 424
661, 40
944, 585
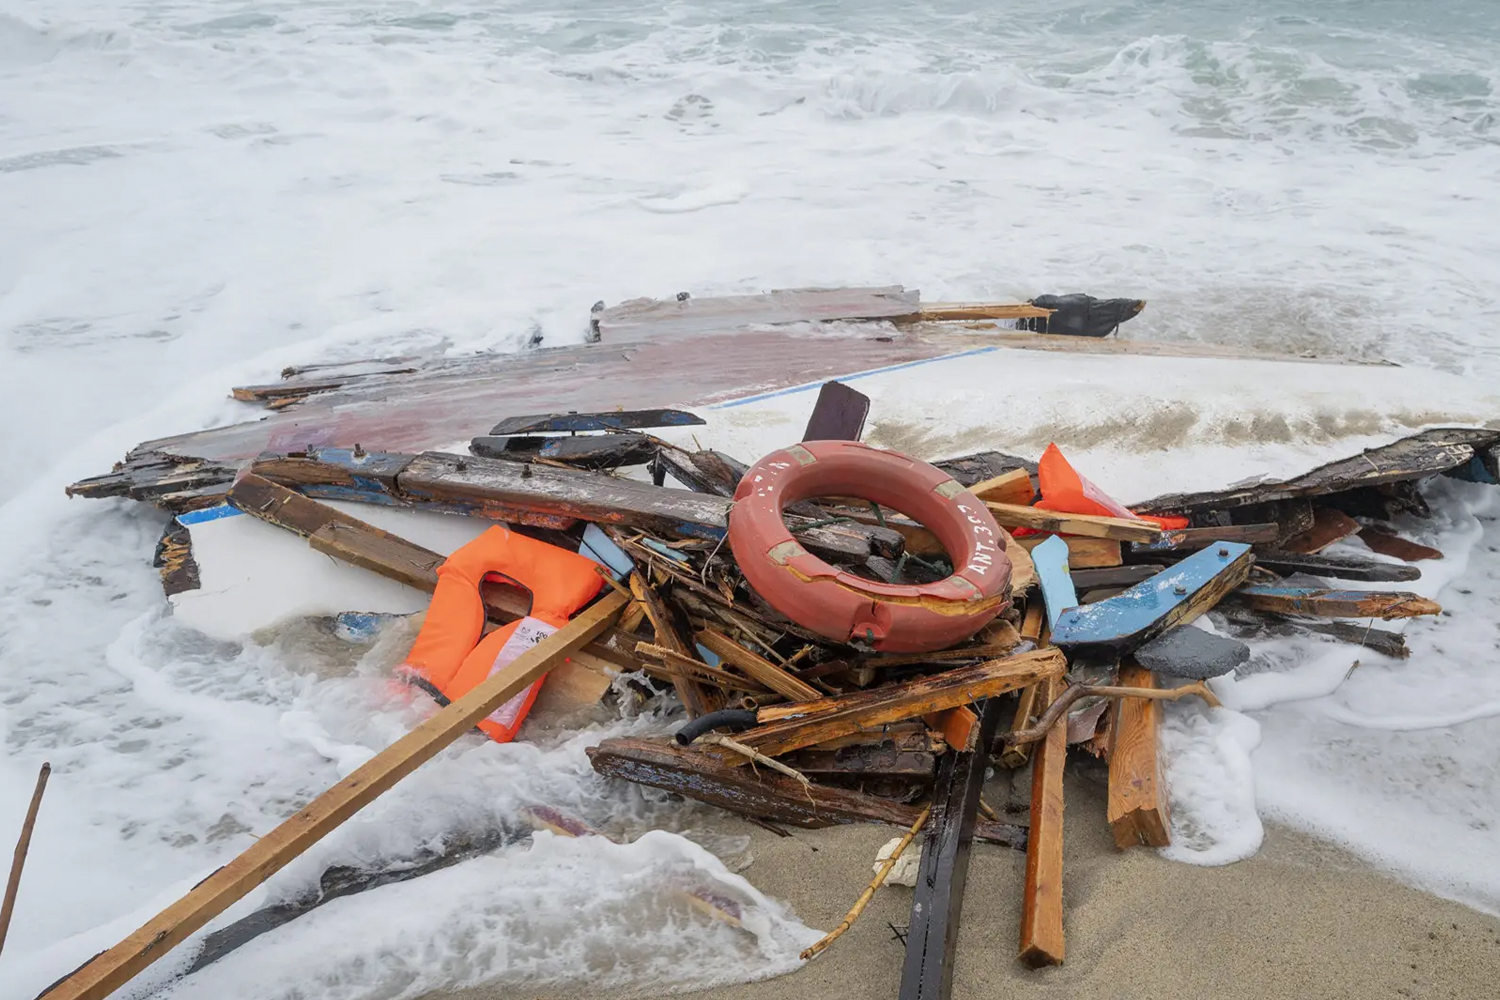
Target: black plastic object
1079, 315
730, 718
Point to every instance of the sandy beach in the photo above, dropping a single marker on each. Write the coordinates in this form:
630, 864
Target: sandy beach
1301, 919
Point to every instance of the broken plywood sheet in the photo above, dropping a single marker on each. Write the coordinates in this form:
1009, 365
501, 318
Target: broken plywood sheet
655, 317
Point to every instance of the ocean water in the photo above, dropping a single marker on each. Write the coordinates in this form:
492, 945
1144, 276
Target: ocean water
195, 194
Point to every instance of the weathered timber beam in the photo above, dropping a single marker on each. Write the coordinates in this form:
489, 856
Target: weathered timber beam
112, 969
1386, 542
1010, 515
1114, 576
1083, 553
763, 793
595, 451
1042, 939
812, 722
1013, 487
1138, 809
1173, 597
937, 906
1337, 603
696, 697
499, 486
879, 759
615, 420
1190, 539
957, 312
1340, 567
1420, 455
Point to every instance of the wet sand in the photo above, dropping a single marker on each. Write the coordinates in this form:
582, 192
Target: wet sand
1301, 919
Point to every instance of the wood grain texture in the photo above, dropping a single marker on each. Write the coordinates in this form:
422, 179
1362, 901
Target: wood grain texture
816, 721
1083, 553
1010, 515
1042, 939
756, 667
1013, 487
697, 698
1138, 810
1337, 603
1388, 543
1329, 526
112, 969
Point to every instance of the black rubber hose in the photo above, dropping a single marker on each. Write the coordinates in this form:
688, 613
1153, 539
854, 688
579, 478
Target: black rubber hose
733, 718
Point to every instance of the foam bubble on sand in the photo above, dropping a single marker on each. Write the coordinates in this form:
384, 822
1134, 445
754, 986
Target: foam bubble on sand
1211, 783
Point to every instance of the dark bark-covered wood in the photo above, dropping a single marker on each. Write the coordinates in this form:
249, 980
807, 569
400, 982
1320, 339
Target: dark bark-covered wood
937, 905
174, 560
617, 420
1425, 454
593, 451
1340, 567
807, 723
758, 792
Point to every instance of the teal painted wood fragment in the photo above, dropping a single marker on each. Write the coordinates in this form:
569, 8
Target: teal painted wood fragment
1051, 561
1152, 606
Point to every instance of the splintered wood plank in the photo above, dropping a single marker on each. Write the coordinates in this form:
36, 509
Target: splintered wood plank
1083, 553
1425, 454
757, 668
112, 969
1388, 543
695, 697
1042, 941
961, 312
1173, 597
1022, 570
1010, 515
1337, 603
1138, 809
1013, 487
1340, 566
817, 721
759, 792
1188, 539
937, 904
1329, 526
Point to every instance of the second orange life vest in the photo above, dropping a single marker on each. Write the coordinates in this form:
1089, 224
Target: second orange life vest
452, 655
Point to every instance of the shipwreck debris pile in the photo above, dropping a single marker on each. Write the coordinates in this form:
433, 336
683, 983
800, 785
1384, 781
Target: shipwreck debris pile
795, 719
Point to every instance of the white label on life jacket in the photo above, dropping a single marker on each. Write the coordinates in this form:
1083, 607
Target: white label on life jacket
528, 633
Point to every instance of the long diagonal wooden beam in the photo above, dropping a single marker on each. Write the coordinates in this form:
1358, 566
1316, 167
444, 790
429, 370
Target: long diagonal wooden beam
112, 969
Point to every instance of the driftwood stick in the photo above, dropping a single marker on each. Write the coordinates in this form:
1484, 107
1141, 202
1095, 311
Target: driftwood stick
22, 846
1065, 701
755, 755
869, 893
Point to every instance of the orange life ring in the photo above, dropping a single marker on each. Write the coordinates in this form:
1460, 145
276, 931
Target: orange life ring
848, 608
450, 658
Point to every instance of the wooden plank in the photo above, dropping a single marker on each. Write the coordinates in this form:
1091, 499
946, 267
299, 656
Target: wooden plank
759, 792
756, 667
1337, 603
1329, 526
1386, 542
112, 969
1022, 571
615, 420
1042, 939
878, 759
1083, 553
1425, 454
700, 471
816, 721
963, 312
838, 415
495, 488
1191, 539
695, 697
1010, 515
1013, 487
1342, 567
1174, 597
1114, 576
689, 315
937, 905
1138, 810
174, 559
594, 451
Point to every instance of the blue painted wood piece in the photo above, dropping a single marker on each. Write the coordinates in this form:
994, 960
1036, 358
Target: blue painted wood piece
1051, 561
598, 546
1153, 605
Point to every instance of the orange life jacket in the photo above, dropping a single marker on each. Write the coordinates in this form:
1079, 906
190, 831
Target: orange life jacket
452, 655
1066, 492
